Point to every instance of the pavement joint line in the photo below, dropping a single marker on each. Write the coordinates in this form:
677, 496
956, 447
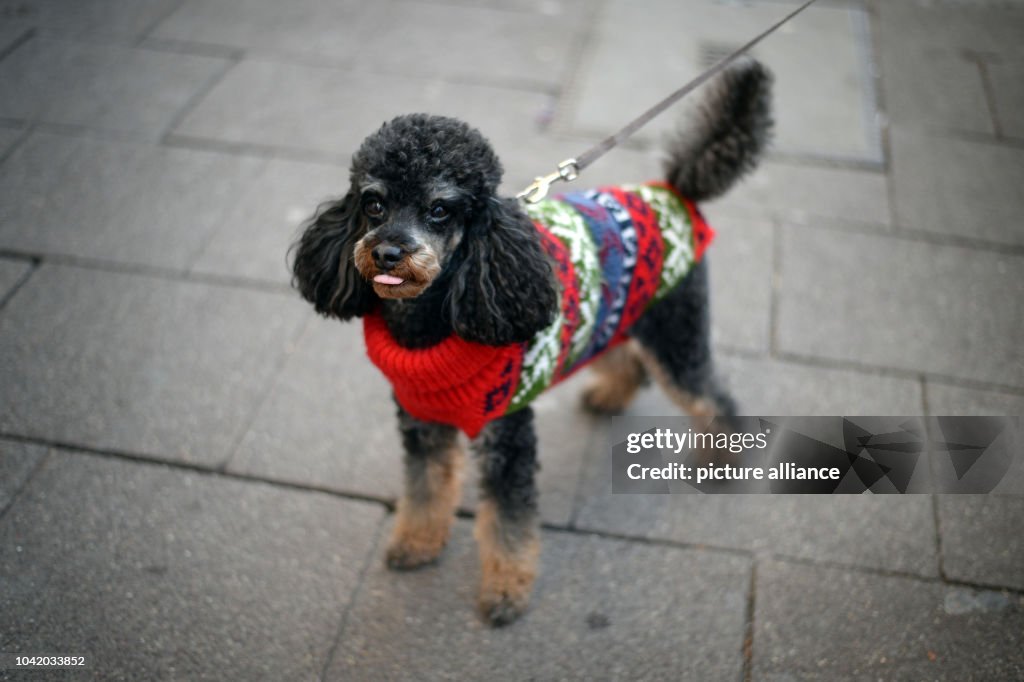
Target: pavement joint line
553, 527
155, 460
493, 82
862, 29
987, 139
593, 437
989, 90
896, 372
568, 102
153, 271
456, 4
304, 328
24, 132
155, 23
371, 555
939, 549
24, 484
199, 95
892, 573
896, 231
22, 280
775, 284
249, 149
191, 48
824, 161
88, 132
18, 42
747, 672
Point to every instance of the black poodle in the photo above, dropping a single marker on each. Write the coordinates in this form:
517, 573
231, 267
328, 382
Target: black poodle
473, 304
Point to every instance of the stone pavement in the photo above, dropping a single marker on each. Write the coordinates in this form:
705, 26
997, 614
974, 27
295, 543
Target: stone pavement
196, 473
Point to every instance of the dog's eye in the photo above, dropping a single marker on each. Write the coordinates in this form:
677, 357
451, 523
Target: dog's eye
439, 212
373, 208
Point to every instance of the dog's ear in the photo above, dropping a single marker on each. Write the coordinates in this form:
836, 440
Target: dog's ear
503, 290
323, 270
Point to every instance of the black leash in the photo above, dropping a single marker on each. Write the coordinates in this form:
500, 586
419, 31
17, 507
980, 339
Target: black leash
569, 169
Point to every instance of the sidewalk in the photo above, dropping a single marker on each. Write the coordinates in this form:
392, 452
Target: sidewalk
197, 473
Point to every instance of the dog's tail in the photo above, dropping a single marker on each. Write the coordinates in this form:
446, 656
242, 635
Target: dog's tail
727, 134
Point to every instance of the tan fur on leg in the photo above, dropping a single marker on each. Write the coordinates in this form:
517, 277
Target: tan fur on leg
616, 377
426, 510
702, 409
508, 564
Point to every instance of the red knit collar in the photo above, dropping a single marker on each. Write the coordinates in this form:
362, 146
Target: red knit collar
444, 365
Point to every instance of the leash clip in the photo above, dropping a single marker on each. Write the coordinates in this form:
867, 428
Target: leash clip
568, 171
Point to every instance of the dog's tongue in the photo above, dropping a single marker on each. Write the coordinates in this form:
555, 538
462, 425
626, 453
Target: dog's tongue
388, 279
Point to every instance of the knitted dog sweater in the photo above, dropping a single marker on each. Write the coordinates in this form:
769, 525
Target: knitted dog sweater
616, 251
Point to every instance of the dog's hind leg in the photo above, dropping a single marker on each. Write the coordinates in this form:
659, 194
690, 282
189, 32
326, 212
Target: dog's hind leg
506, 529
433, 476
616, 377
675, 341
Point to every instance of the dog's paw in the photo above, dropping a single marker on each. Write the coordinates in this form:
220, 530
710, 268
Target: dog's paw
404, 554
505, 586
499, 608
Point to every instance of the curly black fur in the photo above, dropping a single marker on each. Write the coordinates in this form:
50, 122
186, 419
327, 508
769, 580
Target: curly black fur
728, 134
507, 453
323, 271
503, 291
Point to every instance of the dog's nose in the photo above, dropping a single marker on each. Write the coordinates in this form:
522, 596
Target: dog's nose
386, 256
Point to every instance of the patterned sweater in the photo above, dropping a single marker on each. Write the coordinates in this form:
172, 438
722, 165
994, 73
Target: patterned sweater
616, 250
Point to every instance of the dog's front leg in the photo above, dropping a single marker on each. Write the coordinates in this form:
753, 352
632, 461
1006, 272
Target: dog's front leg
433, 476
506, 521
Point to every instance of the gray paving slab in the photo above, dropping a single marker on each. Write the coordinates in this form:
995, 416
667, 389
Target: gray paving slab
890, 532
944, 399
329, 421
591, 617
990, 28
326, 30
107, 87
804, 193
18, 461
957, 187
118, 201
251, 239
123, 18
159, 367
824, 101
493, 43
933, 89
329, 111
763, 386
813, 623
981, 539
154, 573
901, 303
740, 261
1008, 94
11, 272
551, 8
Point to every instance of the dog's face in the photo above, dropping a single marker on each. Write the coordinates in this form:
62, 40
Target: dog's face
412, 231
418, 182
